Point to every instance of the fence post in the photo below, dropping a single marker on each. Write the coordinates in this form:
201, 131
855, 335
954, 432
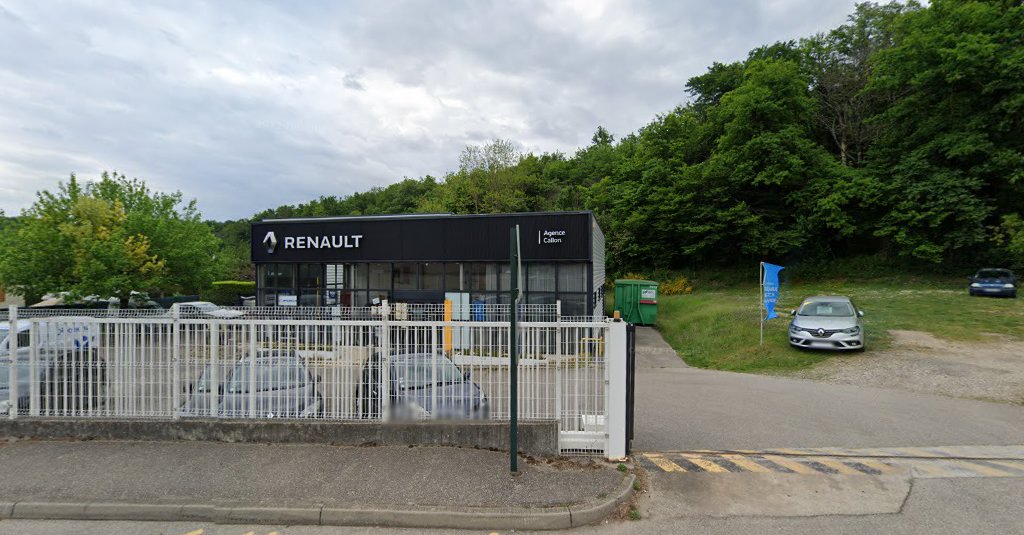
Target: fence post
615, 397
214, 370
12, 321
33, 368
252, 370
176, 363
558, 365
385, 362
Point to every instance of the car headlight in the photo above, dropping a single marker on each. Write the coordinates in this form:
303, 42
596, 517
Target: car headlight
852, 330
975, 285
1007, 285
793, 328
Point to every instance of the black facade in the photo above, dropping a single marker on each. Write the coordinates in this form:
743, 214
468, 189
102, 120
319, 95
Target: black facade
351, 261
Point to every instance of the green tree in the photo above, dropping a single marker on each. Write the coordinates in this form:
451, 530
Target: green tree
492, 178
108, 238
839, 63
951, 150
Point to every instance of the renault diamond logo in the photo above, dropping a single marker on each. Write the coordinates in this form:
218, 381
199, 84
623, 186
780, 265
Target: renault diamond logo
821, 332
270, 242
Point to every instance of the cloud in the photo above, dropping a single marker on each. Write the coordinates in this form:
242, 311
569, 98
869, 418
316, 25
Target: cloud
246, 106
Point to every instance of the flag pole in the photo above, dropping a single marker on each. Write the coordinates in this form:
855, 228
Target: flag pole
760, 276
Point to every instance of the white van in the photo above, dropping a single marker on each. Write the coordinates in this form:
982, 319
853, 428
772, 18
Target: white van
63, 334
67, 357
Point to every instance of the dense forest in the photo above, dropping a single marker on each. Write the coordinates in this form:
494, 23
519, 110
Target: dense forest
897, 136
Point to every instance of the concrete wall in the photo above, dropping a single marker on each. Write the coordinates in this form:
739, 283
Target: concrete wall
535, 438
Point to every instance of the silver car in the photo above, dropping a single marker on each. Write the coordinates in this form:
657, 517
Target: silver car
827, 322
278, 382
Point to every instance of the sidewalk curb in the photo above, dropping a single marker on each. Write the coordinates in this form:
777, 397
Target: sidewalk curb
428, 517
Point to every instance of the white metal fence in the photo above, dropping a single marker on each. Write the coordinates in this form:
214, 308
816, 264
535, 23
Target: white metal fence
380, 363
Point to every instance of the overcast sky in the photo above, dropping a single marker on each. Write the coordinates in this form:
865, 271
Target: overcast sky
246, 106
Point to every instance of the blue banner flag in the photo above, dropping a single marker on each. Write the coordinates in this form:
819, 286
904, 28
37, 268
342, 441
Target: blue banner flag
771, 288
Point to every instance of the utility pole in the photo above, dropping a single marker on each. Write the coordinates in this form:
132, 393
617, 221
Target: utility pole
513, 352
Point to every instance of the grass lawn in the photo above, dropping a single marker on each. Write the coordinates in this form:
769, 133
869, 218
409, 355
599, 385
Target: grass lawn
718, 328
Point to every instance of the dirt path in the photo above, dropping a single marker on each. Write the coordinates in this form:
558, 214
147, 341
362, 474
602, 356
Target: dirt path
920, 362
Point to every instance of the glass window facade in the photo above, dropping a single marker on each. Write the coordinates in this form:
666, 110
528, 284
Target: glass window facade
360, 284
275, 280
405, 276
432, 276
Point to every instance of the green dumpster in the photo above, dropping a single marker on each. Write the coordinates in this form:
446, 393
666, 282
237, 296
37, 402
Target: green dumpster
637, 301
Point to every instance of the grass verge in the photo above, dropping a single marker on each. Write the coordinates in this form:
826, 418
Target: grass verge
719, 328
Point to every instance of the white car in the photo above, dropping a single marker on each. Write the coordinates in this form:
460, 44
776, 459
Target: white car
206, 309
827, 322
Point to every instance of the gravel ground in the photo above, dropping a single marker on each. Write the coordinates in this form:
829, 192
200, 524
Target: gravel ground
920, 362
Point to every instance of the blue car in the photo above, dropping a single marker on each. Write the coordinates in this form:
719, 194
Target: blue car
993, 281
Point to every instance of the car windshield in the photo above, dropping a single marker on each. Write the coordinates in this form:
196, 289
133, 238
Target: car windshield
270, 375
826, 308
418, 372
4, 374
993, 274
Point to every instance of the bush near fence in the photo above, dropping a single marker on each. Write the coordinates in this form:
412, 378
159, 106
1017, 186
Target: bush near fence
227, 293
668, 284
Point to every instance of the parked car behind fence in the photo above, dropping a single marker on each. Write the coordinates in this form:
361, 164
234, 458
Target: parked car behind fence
421, 386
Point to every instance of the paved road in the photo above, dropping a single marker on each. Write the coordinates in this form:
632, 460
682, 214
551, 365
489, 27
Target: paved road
681, 408
981, 506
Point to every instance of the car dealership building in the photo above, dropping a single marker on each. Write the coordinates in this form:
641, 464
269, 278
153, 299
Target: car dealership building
427, 258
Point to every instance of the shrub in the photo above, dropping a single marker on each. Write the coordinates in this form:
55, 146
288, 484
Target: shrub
227, 293
675, 286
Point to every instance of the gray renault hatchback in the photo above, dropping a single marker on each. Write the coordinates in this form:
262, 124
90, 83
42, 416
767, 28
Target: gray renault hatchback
275, 384
827, 322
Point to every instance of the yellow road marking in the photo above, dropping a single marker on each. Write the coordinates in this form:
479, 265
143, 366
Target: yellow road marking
840, 467
664, 463
934, 469
708, 466
870, 463
982, 469
196, 532
1018, 465
792, 465
746, 464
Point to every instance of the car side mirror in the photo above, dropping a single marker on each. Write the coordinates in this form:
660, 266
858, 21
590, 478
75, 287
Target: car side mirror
860, 313
465, 375
220, 389
319, 378
792, 312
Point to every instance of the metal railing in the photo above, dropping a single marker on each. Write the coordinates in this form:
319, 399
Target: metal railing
334, 364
